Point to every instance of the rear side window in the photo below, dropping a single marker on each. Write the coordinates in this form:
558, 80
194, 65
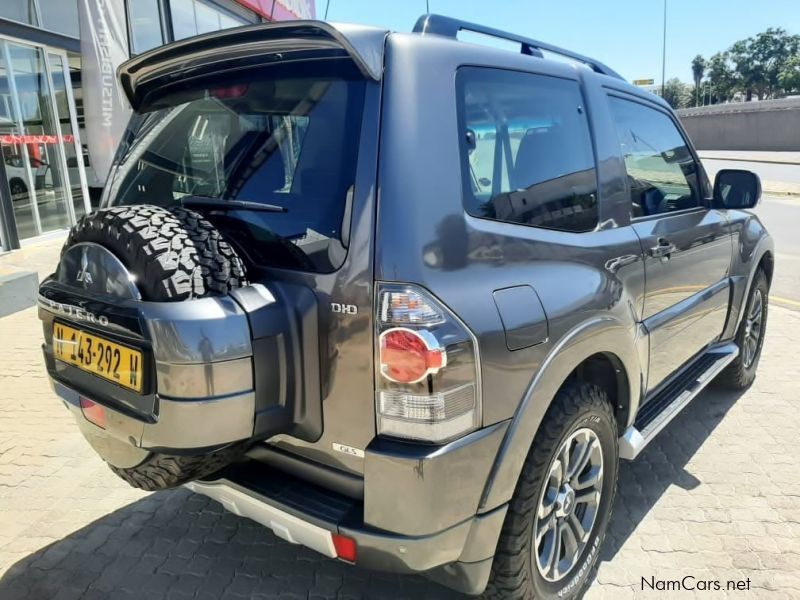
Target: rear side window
662, 174
526, 151
285, 139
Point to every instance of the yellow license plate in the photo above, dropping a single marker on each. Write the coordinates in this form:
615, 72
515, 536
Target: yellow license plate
99, 356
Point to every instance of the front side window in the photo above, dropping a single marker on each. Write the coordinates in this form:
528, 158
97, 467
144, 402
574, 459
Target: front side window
281, 141
526, 151
662, 174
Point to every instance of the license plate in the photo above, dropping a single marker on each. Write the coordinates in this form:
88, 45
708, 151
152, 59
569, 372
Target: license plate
99, 356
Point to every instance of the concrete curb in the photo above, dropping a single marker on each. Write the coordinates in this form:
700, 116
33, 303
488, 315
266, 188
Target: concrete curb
18, 291
780, 188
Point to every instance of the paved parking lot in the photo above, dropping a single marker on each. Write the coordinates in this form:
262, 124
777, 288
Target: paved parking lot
717, 497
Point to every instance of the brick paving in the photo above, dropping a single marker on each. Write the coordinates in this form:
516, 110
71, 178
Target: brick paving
716, 497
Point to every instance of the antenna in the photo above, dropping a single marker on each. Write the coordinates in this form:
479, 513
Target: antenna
272, 12
327, 6
427, 7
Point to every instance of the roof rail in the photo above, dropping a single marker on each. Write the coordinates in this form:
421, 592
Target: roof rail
449, 27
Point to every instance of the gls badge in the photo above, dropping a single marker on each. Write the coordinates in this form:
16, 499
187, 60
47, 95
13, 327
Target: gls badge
344, 309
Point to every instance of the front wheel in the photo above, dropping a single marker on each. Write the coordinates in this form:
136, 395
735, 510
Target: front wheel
559, 513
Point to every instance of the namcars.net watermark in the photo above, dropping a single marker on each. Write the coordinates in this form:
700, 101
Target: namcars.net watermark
691, 583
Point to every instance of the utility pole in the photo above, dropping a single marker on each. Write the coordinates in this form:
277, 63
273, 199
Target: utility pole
664, 51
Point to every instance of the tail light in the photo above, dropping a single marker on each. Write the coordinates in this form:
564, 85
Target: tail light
427, 380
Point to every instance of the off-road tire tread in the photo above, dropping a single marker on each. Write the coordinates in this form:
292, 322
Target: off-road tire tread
163, 471
175, 253
735, 376
509, 576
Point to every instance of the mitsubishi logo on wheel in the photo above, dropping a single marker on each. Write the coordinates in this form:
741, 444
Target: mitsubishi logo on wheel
84, 276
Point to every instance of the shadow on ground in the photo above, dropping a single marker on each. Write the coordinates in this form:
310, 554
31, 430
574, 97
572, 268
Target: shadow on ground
663, 464
178, 545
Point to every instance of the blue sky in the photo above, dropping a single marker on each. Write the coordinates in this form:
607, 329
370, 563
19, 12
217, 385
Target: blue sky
624, 34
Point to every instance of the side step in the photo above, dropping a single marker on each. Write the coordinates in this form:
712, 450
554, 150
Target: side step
673, 397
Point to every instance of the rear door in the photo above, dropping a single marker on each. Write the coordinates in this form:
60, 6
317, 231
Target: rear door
295, 145
686, 245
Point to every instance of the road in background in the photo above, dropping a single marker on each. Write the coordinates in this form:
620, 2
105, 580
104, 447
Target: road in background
781, 215
768, 171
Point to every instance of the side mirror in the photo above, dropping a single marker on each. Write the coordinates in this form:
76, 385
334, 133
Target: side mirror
735, 188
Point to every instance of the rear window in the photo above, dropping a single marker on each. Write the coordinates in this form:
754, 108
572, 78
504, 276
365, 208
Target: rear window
285, 140
526, 151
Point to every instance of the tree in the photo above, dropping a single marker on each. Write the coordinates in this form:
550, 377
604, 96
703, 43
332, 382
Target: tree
698, 70
721, 77
677, 93
761, 59
789, 77
750, 75
761, 66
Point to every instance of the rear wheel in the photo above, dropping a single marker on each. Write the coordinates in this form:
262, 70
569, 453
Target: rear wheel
174, 254
559, 513
750, 337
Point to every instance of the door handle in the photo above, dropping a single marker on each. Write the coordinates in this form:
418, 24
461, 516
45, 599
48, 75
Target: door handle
664, 249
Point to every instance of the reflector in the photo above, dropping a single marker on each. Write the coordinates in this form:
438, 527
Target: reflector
94, 413
345, 547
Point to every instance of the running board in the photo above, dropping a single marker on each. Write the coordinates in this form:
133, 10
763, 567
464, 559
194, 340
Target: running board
673, 397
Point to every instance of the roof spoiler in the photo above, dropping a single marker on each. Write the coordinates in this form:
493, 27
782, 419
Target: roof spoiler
252, 45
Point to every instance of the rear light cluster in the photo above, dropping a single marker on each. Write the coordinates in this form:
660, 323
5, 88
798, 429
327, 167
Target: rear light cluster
428, 383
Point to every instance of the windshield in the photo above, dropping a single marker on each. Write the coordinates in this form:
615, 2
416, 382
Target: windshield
285, 140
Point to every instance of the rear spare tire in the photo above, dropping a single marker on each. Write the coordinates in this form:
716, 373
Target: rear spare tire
175, 254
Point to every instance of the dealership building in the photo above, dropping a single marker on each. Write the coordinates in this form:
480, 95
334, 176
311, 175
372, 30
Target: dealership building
61, 112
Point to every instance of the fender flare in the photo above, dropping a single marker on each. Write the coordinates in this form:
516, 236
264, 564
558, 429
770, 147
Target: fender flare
765, 245
588, 338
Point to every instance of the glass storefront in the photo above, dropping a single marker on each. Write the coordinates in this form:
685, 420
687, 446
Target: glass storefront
38, 144
186, 18
23, 11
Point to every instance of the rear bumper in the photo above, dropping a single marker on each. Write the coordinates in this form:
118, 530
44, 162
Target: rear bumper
459, 557
414, 511
179, 425
428, 494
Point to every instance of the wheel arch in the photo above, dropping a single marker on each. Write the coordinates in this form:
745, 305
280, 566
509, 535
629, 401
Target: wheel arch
763, 258
19, 180
767, 264
600, 351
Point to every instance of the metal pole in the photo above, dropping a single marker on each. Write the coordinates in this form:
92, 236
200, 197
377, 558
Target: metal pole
664, 51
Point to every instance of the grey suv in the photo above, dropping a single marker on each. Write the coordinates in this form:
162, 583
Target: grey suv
403, 299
